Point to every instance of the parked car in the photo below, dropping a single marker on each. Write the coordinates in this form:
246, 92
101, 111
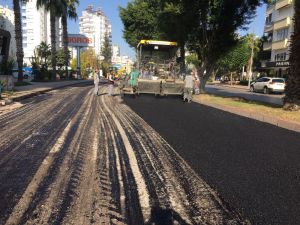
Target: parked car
268, 85
27, 75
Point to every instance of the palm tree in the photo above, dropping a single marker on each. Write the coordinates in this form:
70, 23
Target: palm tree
56, 9
70, 12
292, 98
18, 33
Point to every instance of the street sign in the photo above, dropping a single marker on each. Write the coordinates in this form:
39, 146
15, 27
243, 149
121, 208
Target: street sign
79, 40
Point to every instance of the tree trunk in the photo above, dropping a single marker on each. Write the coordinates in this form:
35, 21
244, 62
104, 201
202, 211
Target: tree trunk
18, 34
204, 73
182, 57
231, 77
65, 41
53, 43
292, 98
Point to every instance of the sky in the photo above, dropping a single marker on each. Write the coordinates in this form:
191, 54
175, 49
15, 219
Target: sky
110, 8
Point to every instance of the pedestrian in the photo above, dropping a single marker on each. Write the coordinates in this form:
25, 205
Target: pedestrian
96, 83
196, 84
188, 87
111, 84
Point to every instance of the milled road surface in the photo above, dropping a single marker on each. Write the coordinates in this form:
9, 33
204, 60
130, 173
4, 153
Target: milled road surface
69, 157
254, 166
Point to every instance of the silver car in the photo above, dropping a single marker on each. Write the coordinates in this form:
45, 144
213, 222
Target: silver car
268, 85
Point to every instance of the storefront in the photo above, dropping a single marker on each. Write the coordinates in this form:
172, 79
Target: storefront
278, 68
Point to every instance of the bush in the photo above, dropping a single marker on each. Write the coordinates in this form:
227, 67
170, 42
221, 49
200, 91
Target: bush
244, 82
6, 67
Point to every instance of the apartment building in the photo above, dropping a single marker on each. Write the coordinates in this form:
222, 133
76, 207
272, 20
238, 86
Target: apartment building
278, 30
36, 28
115, 53
7, 33
94, 22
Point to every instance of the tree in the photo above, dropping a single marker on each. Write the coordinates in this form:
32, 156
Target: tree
19, 41
292, 98
173, 22
56, 9
236, 58
140, 21
214, 25
88, 60
44, 52
106, 49
61, 57
70, 12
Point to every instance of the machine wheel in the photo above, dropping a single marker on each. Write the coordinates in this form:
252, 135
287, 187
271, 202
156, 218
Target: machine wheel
252, 89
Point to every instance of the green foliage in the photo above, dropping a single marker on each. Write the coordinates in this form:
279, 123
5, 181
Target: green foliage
193, 60
140, 21
237, 57
106, 49
60, 57
74, 64
43, 52
7, 66
89, 61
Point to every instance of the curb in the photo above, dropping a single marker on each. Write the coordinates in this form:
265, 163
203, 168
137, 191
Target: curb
233, 86
256, 116
35, 93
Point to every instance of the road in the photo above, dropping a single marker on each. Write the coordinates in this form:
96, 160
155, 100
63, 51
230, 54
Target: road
254, 166
69, 157
226, 91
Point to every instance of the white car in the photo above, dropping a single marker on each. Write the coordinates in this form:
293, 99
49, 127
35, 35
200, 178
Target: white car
268, 85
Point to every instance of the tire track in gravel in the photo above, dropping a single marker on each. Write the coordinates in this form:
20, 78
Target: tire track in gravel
48, 195
21, 127
23, 163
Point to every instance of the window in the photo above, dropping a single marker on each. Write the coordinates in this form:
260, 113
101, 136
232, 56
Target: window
281, 56
269, 19
282, 34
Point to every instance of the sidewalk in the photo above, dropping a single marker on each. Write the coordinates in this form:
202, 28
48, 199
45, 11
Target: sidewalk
37, 88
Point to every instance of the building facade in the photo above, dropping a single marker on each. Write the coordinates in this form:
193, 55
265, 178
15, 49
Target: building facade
278, 30
94, 22
7, 25
115, 53
36, 28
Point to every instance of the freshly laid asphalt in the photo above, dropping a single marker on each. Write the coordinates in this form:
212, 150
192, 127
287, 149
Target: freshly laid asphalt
254, 166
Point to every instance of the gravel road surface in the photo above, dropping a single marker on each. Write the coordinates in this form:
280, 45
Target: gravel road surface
69, 157
254, 166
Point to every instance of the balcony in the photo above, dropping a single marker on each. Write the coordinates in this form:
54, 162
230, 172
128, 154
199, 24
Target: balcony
282, 23
268, 28
277, 45
283, 3
267, 46
270, 9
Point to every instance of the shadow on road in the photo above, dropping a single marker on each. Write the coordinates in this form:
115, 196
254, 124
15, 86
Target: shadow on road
160, 216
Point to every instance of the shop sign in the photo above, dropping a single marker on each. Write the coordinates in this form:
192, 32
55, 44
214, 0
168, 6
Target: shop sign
278, 64
79, 40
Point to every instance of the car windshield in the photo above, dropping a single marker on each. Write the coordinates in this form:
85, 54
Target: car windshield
278, 81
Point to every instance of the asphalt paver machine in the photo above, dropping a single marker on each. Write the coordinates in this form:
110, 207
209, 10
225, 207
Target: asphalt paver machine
158, 71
